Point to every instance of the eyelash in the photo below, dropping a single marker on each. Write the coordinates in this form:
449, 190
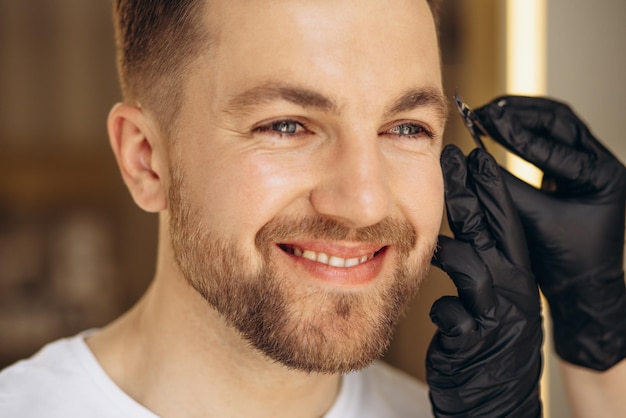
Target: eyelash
272, 129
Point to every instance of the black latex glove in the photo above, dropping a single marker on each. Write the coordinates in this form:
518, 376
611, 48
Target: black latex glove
485, 358
574, 226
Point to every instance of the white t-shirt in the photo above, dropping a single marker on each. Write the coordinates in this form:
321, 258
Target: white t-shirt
64, 380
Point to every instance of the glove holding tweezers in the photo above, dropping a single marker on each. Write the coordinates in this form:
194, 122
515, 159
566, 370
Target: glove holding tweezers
574, 225
485, 358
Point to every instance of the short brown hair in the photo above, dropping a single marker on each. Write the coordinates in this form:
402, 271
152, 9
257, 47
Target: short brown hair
156, 41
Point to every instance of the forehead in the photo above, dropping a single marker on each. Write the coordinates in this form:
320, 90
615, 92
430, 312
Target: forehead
344, 47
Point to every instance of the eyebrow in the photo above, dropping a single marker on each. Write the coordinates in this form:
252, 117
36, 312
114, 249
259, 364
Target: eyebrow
269, 92
415, 98
410, 99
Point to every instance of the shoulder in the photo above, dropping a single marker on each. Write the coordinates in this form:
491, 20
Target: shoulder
381, 390
63, 379
47, 364
30, 387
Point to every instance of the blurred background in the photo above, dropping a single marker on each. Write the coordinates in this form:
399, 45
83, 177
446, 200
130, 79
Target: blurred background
75, 252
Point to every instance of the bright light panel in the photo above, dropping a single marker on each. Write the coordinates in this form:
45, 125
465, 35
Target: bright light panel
526, 64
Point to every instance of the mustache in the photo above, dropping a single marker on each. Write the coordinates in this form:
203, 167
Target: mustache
389, 231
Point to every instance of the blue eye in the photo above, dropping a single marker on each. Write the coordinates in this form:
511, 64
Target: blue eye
410, 130
285, 127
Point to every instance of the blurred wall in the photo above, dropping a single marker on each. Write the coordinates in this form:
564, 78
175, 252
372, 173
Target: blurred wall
75, 252
587, 64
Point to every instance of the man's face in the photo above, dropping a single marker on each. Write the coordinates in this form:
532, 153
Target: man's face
306, 193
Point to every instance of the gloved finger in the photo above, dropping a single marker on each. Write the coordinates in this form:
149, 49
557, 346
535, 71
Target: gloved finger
465, 215
549, 135
578, 169
546, 117
469, 274
535, 208
504, 223
451, 318
539, 115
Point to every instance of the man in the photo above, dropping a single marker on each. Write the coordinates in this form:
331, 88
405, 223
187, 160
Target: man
282, 143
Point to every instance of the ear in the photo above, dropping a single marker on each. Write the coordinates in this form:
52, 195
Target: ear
139, 152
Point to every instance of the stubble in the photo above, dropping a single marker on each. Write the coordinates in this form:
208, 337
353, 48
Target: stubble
308, 328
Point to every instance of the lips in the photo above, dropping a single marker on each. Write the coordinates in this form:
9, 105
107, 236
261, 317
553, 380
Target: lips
329, 258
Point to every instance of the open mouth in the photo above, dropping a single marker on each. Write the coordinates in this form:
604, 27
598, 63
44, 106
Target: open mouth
329, 259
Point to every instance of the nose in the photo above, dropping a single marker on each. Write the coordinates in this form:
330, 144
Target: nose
355, 188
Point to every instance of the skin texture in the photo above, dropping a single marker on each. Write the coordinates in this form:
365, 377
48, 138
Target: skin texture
318, 113
592, 393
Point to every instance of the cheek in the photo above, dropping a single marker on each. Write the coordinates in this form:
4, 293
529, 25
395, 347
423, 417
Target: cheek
243, 193
420, 196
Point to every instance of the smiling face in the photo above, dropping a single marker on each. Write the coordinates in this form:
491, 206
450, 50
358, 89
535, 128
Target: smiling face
306, 193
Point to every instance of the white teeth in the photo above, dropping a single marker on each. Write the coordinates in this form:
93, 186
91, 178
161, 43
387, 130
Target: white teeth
309, 255
331, 260
352, 262
336, 261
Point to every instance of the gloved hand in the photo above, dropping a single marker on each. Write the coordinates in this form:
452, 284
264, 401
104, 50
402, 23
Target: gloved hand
485, 358
574, 226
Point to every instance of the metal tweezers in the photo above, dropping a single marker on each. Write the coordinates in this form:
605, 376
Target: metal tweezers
472, 123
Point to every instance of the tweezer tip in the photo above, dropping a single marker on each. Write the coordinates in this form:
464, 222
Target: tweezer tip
457, 96
460, 104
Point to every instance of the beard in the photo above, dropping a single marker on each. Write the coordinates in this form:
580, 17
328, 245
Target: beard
297, 324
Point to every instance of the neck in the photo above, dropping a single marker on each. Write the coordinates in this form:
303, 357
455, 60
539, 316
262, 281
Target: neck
175, 355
